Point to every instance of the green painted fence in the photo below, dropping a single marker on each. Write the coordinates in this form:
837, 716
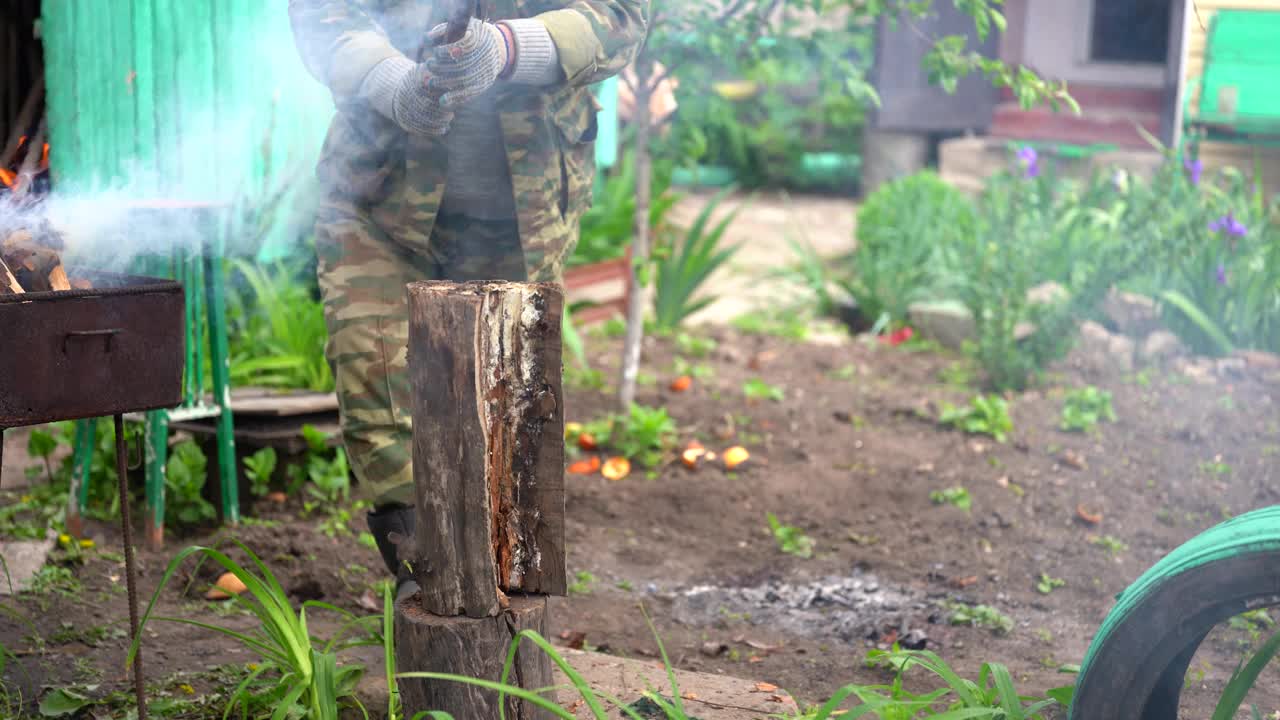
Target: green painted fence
179, 99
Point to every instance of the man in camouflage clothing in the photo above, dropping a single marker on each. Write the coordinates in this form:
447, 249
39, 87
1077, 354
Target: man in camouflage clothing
468, 161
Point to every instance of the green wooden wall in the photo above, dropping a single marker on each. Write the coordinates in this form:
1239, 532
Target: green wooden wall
186, 99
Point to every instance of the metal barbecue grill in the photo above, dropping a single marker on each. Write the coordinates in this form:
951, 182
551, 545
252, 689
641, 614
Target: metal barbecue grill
117, 348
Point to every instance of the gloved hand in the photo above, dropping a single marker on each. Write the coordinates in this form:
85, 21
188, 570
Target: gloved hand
467, 68
405, 92
416, 106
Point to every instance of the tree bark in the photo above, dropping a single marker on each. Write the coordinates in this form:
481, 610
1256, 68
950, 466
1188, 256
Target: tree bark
640, 244
488, 446
475, 648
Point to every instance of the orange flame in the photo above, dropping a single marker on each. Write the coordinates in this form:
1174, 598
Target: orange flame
44, 156
8, 178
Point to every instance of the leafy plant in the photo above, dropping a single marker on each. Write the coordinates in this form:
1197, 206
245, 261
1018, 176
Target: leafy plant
983, 616
956, 496
681, 268
908, 231
41, 444
790, 539
645, 434
757, 389
582, 582
985, 415
259, 468
277, 329
325, 467
1084, 408
308, 680
1111, 544
1048, 584
186, 472
607, 227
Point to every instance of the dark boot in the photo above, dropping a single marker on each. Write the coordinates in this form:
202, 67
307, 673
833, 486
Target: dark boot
382, 524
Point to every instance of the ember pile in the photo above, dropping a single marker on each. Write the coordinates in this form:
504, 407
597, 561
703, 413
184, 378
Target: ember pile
31, 260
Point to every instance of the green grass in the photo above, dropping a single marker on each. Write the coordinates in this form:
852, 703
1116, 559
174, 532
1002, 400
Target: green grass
790, 539
757, 389
957, 496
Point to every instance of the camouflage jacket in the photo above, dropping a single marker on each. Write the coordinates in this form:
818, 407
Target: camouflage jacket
369, 165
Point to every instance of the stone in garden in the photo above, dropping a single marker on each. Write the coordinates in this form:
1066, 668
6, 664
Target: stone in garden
1132, 314
948, 322
1103, 350
1161, 346
23, 559
1047, 293
1260, 360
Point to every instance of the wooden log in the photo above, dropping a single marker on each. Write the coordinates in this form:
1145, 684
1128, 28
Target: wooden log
472, 647
32, 264
488, 453
9, 284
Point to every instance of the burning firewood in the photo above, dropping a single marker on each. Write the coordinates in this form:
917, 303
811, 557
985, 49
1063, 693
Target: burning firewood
35, 267
9, 284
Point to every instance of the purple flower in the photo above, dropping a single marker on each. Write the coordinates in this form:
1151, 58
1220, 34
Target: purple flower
1230, 225
1194, 168
1031, 160
1221, 274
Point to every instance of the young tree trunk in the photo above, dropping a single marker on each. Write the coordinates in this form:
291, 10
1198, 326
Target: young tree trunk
640, 244
488, 443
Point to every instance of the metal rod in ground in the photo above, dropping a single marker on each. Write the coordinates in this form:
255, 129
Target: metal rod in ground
1, 452
130, 568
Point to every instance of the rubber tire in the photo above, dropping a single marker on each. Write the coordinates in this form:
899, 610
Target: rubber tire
1137, 663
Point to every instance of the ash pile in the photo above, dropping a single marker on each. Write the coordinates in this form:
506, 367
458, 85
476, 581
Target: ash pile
853, 609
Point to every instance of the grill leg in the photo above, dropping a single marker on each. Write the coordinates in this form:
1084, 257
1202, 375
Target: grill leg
130, 568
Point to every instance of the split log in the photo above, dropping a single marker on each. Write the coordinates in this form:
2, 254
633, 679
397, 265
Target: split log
488, 460
9, 284
36, 267
470, 647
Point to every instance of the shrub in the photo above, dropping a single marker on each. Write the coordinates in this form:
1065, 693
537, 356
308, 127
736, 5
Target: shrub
907, 232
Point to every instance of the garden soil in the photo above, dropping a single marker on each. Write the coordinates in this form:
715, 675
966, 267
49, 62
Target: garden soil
851, 457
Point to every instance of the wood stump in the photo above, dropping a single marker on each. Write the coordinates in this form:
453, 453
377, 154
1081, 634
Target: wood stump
488, 467
473, 647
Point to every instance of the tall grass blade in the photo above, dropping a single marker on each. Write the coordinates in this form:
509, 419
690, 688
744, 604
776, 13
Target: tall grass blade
1243, 679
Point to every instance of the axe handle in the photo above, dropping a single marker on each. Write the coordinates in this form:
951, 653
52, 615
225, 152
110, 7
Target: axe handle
460, 14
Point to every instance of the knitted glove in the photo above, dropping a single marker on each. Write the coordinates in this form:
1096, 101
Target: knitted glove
404, 92
468, 67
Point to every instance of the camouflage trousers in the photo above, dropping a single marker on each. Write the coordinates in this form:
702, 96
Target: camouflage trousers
363, 272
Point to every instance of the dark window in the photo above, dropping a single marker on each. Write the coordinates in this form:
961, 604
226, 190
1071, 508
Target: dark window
1130, 31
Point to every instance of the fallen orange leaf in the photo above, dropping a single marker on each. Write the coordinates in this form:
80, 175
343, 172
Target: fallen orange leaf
682, 383
587, 441
1083, 513
585, 467
616, 468
766, 687
735, 456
